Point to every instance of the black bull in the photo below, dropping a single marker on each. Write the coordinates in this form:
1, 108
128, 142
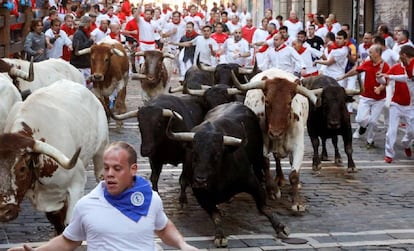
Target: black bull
226, 158
329, 118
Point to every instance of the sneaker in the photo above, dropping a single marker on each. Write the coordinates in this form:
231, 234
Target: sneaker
356, 135
408, 152
387, 159
370, 145
362, 130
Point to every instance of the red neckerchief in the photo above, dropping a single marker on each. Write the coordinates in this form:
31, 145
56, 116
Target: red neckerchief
86, 31
148, 21
366, 46
104, 31
386, 35
403, 42
115, 36
269, 18
293, 20
330, 27
280, 47
334, 21
165, 11
110, 15
191, 34
174, 22
320, 26
301, 50
286, 39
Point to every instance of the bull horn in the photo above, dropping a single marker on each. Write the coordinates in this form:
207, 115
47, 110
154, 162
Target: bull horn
168, 55
127, 115
176, 89
234, 91
196, 92
250, 85
140, 53
307, 93
117, 52
231, 141
352, 92
15, 72
244, 70
181, 136
205, 87
84, 51
317, 92
138, 76
204, 67
57, 155
171, 113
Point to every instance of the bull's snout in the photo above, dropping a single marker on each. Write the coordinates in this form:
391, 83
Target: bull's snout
200, 182
8, 213
275, 133
334, 124
150, 77
98, 77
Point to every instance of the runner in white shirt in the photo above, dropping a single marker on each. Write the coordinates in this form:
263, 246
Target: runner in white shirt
236, 49
294, 24
306, 53
193, 17
206, 47
56, 39
282, 57
98, 34
147, 29
337, 58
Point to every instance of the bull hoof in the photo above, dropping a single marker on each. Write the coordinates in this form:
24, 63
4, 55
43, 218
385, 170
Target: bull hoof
282, 231
324, 158
220, 242
351, 170
298, 208
280, 182
316, 167
338, 161
183, 201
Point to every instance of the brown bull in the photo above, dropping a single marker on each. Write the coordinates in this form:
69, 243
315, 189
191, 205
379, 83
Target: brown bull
109, 65
153, 73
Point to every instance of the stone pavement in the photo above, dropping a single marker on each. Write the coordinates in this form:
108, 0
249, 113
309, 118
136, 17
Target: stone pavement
372, 209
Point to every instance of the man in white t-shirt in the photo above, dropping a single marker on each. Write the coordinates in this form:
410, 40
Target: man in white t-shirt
236, 49
337, 58
206, 47
120, 213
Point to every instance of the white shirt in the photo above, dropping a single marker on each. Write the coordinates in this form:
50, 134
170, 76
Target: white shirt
284, 58
321, 32
180, 31
105, 228
362, 52
233, 49
159, 26
307, 59
293, 28
260, 35
390, 57
146, 30
203, 49
196, 21
99, 35
337, 69
232, 27
57, 49
243, 17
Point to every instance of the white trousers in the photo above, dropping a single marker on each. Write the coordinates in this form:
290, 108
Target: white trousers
184, 66
396, 112
349, 83
368, 113
409, 129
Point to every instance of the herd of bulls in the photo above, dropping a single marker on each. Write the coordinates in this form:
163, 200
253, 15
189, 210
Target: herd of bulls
223, 144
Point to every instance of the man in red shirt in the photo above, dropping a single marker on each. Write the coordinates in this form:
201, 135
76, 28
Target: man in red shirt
372, 99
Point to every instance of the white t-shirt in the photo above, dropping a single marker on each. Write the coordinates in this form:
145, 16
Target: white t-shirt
285, 58
233, 49
105, 228
57, 49
293, 28
337, 69
99, 35
202, 48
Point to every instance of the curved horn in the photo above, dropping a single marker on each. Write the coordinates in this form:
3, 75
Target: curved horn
138, 76
318, 91
244, 70
127, 115
250, 85
231, 141
168, 55
307, 93
57, 155
140, 53
15, 72
176, 89
352, 92
196, 92
204, 67
117, 52
171, 113
181, 136
84, 51
234, 91
205, 87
